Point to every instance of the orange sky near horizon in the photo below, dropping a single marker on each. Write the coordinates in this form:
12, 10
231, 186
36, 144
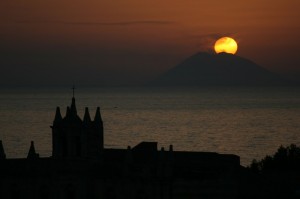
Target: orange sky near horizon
145, 38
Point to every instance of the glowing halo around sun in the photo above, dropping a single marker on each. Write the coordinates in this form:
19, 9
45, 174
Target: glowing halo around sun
226, 45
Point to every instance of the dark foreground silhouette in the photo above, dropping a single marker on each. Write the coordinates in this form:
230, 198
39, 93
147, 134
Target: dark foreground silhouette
279, 174
81, 168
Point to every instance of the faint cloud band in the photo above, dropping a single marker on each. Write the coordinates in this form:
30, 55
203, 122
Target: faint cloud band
119, 23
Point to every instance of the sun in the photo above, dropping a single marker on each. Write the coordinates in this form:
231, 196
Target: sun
226, 44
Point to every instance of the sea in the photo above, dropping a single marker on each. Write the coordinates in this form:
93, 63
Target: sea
249, 122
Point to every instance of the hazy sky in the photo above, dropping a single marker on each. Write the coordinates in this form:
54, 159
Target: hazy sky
102, 42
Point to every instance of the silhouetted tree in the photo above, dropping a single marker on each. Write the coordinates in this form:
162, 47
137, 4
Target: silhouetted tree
286, 158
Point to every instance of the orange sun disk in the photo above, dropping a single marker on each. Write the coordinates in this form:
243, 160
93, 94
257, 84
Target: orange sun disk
226, 44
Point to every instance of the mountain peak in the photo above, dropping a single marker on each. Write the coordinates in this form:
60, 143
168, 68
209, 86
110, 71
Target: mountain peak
223, 69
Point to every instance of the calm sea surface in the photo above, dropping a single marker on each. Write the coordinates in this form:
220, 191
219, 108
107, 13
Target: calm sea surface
249, 122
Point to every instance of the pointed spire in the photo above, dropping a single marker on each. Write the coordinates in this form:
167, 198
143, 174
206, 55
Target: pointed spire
58, 116
86, 118
73, 107
98, 116
2, 153
68, 113
31, 153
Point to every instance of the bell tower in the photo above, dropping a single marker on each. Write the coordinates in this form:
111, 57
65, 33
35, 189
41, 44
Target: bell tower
73, 137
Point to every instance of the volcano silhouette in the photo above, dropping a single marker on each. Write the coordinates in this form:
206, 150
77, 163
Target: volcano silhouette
204, 69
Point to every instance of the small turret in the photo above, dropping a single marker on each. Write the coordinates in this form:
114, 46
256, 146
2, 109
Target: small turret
2, 153
31, 153
128, 162
171, 148
98, 129
129, 156
68, 113
86, 118
98, 118
58, 116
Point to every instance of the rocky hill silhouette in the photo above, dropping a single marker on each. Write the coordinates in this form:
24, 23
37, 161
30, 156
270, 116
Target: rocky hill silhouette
205, 69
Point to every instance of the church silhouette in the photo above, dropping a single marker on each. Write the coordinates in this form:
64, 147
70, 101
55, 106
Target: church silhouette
81, 168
